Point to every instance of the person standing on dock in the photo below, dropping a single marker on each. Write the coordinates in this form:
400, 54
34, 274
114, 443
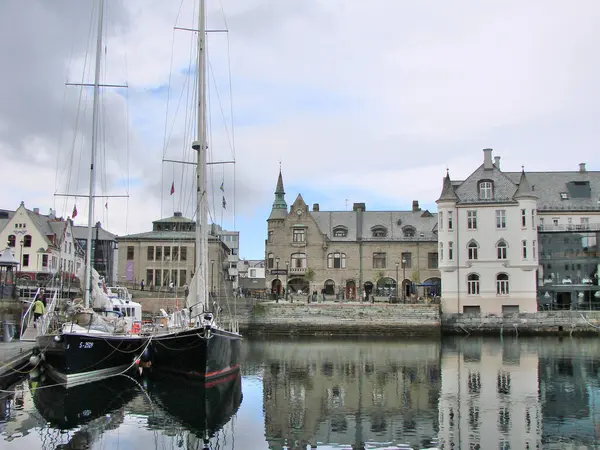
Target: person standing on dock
38, 311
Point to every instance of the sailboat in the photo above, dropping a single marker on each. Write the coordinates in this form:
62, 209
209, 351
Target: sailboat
101, 338
198, 343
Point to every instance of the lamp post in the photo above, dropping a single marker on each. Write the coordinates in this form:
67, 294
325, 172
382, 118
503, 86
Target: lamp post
287, 267
403, 278
21, 257
397, 284
212, 277
277, 284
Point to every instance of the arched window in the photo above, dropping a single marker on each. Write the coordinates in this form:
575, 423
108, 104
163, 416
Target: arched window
379, 231
473, 284
502, 284
472, 249
329, 287
340, 231
11, 240
27, 240
336, 260
501, 249
270, 261
298, 260
409, 231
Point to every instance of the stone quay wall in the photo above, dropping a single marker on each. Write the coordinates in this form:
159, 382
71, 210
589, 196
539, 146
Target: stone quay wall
539, 323
342, 319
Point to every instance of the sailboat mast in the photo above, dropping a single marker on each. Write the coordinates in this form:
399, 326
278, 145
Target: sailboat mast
201, 219
95, 125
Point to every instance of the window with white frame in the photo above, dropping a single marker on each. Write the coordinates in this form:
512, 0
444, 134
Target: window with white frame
441, 251
298, 234
534, 249
379, 260
486, 190
523, 218
502, 284
532, 218
270, 261
336, 260
298, 260
450, 251
252, 273
472, 220
340, 231
501, 249
524, 246
555, 221
500, 218
472, 250
473, 284
450, 221
441, 220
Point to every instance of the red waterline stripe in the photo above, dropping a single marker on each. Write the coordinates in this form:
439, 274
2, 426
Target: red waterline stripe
219, 372
226, 379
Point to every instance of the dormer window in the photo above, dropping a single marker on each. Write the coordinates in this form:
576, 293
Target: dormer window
340, 231
379, 231
409, 231
564, 196
486, 190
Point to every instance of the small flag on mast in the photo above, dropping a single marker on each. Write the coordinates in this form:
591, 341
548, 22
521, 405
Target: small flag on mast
172, 188
222, 186
224, 203
74, 214
106, 204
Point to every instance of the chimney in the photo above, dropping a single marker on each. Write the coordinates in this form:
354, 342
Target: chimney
36, 210
51, 213
497, 162
315, 206
177, 214
582, 168
415, 206
487, 158
359, 207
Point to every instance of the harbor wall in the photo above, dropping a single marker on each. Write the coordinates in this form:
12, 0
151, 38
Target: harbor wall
342, 319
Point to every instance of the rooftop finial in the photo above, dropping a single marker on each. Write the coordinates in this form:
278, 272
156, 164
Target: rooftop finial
447, 171
522, 168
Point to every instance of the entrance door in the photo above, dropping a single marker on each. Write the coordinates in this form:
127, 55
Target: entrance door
350, 289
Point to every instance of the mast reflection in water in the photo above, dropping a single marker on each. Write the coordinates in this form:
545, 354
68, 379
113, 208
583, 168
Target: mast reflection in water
462, 393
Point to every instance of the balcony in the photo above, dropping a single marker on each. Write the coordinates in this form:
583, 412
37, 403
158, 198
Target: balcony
297, 270
569, 227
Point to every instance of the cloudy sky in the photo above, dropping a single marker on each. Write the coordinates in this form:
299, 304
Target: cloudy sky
359, 102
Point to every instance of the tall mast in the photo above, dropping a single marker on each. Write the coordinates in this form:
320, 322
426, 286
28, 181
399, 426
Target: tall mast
200, 146
95, 120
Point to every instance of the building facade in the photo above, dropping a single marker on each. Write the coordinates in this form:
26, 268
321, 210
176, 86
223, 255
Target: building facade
167, 254
510, 241
350, 253
43, 244
104, 250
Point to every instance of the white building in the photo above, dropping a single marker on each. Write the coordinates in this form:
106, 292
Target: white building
488, 252
43, 244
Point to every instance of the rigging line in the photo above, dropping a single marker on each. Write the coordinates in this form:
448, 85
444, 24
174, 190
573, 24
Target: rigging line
169, 89
214, 79
210, 136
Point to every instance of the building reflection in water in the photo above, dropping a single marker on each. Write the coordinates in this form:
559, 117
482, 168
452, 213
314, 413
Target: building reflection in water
350, 392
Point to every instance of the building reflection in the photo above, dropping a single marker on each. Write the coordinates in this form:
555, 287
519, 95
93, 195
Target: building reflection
489, 394
350, 393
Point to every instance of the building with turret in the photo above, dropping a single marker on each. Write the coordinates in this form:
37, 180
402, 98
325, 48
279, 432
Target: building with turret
348, 253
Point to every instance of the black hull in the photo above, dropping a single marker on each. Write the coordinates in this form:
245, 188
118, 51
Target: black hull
80, 358
202, 410
191, 354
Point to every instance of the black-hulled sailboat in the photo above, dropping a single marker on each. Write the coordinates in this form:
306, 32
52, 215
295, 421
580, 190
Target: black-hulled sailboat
198, 343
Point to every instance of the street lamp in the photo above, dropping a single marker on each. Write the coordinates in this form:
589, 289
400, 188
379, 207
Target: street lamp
212, 276
277, 275
287, 267
397, 285
403, 278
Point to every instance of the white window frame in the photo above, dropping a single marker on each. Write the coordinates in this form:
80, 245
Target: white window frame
502, 286
524, 249
501, 219
523, 218
502, 250
486, 190
472, 285
472, 219
299, 235
450, 221
450, 251
472, 251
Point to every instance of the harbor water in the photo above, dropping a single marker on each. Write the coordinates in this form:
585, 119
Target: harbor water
454, 393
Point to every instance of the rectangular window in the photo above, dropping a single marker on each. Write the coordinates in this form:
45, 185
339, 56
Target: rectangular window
175, 253
150, 255
555, 221
70, 248
450, 221
379, 261
167, 252
44, 260
541, 222
432, 260
472, 251
270, 237
533, 249
532, 218
500, 218
523, 218
158, 256
450, 251
182, 253
473, 286
472, 220
502, 285
407, 258
130, 253
182, 277
252, 273
149, 276
298, 235
485, 190
441, 220
157, 278
524, 244
501, 250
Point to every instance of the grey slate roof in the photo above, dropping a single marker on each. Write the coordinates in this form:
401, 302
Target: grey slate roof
163, 236
393, 221
549, 185
448, 192
524, 189
172, 219
504, 187
80, 232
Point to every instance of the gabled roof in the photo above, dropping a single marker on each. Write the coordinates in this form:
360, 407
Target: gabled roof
80, 232
504, 187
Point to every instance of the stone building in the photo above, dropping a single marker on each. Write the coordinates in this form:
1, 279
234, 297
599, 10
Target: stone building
167, 254
350, 252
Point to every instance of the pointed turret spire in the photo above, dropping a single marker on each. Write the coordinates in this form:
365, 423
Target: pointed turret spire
524, 190
447, 189
280, 209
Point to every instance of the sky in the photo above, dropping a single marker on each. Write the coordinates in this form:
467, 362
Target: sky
355, 101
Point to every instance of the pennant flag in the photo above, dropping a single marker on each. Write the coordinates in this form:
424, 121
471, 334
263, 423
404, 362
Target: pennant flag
106, 204
173, 188
222, 186
74, 212
224, 203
